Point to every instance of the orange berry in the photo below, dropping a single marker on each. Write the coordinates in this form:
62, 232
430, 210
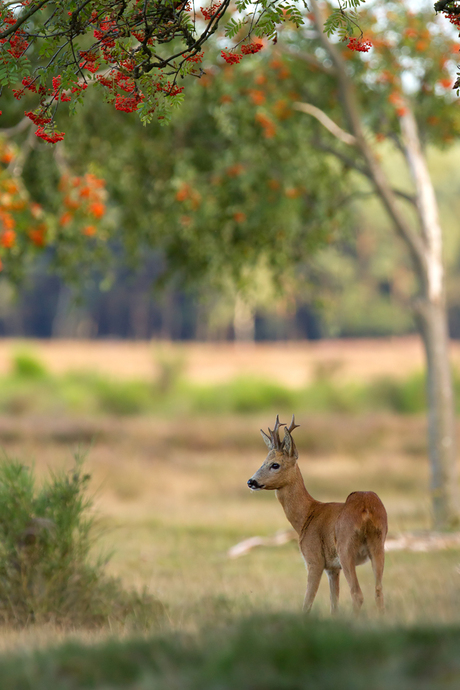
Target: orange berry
89, 230
293, 192
235, 170
97, 209
8, 239
65, 219
37, 235
257, 96
183, 192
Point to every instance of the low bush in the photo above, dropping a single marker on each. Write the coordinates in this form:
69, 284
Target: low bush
47, 570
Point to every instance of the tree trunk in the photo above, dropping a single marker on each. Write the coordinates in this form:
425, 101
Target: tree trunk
432, 322
244, 321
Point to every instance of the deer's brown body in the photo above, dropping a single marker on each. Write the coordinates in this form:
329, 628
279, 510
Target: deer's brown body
332, 536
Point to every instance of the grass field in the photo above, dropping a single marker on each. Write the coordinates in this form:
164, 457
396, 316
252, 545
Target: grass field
171, 499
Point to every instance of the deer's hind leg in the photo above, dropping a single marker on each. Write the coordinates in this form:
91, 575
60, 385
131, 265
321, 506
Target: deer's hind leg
377, 556
347, 561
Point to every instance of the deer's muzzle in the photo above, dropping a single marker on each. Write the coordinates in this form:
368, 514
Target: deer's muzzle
254, 484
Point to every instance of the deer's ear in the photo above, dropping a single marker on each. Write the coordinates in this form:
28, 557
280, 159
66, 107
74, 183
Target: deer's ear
289, 445
267, 440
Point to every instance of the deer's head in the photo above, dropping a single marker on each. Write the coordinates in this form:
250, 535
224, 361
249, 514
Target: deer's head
280, 463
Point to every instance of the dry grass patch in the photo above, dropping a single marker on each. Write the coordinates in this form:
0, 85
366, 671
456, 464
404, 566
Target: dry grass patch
291, 363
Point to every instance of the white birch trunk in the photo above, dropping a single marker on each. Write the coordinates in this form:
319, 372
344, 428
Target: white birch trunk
432, 318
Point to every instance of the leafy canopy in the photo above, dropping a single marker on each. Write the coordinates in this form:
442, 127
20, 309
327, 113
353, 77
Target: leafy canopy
138, 52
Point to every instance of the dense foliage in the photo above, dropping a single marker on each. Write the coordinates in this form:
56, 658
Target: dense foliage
69, 225
138, 53
235, 182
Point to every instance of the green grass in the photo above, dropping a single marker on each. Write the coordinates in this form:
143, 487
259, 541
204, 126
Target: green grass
261, 652
172, 499
31, 389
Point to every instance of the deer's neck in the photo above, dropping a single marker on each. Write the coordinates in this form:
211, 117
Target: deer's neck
296, 501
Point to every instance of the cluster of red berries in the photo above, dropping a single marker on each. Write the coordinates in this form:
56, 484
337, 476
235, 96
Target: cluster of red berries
251, 48
231, 58
52, 137
247, 49
17, 42
40, 116
119, 68
209, 12
359, 45
454, 19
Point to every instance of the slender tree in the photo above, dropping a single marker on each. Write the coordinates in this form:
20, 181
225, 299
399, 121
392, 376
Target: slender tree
396, 85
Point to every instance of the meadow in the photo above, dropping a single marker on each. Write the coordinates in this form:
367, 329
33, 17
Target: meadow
170, 500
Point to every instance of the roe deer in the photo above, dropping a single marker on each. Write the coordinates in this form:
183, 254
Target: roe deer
332, 536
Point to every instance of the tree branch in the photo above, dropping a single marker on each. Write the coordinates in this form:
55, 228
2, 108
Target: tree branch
306, 57
23, 18
16, 129
351, 163
326, 121
16, 166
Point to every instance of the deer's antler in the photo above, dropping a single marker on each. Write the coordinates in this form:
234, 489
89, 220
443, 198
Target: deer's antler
274, 435
293, 425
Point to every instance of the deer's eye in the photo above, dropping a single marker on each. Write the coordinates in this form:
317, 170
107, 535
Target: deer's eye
275, 466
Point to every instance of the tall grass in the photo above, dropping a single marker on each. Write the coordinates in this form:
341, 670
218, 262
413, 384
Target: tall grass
47, 570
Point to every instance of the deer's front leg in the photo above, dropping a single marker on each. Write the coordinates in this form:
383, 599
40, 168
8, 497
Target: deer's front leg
315, 572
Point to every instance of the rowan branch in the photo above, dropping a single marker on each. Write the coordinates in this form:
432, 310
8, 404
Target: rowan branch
23, 18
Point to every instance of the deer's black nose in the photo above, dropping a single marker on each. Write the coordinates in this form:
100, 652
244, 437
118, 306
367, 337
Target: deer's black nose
253, 484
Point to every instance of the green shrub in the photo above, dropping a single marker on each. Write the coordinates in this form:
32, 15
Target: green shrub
326, 396
47, 572
242, 395
407, 396
26, 365
122, 397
